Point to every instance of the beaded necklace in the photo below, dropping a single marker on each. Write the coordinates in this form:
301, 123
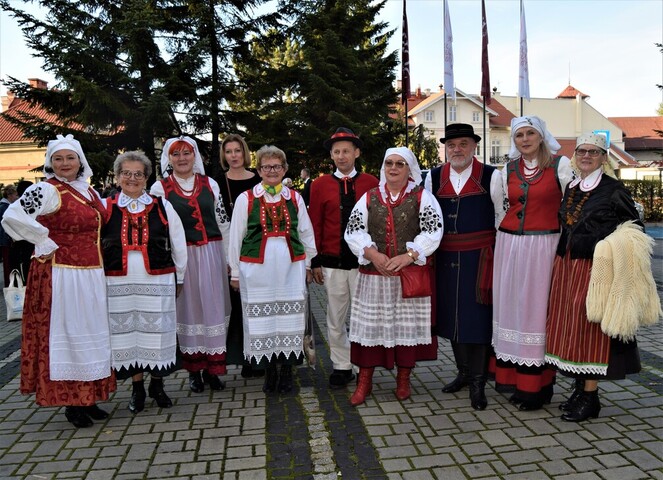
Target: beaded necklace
573, 216
530, 175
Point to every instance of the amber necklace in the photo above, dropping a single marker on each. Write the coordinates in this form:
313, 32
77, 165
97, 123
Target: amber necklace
573, 216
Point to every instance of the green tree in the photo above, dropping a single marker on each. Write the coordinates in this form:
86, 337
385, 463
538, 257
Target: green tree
130, 73
328, 66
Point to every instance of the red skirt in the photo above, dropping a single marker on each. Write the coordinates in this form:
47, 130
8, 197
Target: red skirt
402, 356
35, 367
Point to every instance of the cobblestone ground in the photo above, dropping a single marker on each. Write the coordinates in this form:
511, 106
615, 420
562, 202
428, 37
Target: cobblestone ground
314, 433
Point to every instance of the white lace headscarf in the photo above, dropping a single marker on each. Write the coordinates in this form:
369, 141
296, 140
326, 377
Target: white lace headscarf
66, 143
407, 155
537, 124
198, 166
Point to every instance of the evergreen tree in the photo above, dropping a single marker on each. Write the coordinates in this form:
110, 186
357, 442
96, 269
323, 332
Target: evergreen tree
328, 67
132, 72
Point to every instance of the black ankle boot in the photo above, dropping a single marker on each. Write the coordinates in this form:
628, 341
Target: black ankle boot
543, 397
478, 393
214, 382
196, 383
271, 377
137, 402
587, 406
285, 379
156, 392
578, 388
77, 417
95, 413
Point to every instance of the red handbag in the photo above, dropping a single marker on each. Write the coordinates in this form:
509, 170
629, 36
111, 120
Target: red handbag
415, 281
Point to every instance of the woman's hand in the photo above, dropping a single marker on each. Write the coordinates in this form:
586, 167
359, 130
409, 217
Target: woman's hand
379, 261
309, 276
399, 262
45, 258
318, 277
234, 284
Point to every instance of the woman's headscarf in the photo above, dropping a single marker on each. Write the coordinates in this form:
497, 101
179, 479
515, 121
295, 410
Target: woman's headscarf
408, 156
198, 166
66, 143
537, 124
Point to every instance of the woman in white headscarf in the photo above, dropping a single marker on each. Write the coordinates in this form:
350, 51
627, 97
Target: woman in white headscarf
392, 226
65, 349
535, 180
203, 308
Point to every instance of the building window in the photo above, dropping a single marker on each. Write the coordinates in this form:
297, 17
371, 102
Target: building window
452, 113
476, 116
428, 116
495, 151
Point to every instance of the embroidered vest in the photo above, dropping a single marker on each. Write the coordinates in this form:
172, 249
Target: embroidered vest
267, 220
392, 230
197, 212
75, 228
146, 232
534, 203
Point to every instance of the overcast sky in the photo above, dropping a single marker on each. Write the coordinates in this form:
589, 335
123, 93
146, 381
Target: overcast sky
604, 47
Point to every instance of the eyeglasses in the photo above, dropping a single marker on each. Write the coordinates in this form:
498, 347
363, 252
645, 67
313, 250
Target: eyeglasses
128, 174
271, 168
581, 152
398, 164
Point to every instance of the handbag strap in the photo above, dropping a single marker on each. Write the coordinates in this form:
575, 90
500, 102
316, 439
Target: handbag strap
15, 279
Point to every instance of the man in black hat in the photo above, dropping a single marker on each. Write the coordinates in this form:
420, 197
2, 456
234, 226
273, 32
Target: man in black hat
471, 196
331, 202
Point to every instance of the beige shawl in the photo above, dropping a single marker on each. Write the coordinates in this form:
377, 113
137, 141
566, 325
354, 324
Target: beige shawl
622, 294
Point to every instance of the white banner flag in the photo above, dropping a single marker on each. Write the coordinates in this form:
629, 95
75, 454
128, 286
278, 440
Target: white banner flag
449, 86
523, 76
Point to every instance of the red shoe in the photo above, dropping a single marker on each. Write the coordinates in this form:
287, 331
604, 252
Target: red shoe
403, 383
364, 387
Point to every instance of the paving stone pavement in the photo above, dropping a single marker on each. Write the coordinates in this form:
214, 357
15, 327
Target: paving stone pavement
314, 433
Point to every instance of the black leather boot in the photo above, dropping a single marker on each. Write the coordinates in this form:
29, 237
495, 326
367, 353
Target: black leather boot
95, 413
477, 361
77, 417
196, 383
285, 379
462, 363
478, 393
587, 406
156, 392
137, 402
271, 377
578, 388
214, 382
543, 397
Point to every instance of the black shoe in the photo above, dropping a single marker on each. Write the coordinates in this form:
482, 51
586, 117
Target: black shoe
271, 377
156, 392
515, 400
569, 404
137, 401
247, 371
285, 379
587, 406
258, 373
213, 381
340, 379
196, 382
543, 397
77, 417
459, 382
95, 413
478, 394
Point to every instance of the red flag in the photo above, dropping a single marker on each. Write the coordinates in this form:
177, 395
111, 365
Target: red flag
485, 73
405, 59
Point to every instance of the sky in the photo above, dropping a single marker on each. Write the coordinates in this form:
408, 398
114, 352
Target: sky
604, 48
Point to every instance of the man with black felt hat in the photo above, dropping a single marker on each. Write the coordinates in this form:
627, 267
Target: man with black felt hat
332, 199
471, 196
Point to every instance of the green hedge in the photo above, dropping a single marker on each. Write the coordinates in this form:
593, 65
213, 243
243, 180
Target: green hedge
650, 194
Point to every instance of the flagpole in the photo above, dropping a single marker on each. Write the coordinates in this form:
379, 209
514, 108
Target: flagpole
405, 71
484, 130
445, 122
485, 73
523, 73
407, 127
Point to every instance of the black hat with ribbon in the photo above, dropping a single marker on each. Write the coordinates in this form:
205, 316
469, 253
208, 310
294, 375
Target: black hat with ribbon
343, 134
459, 130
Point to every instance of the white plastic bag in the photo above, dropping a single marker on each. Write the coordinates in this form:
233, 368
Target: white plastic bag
14, 296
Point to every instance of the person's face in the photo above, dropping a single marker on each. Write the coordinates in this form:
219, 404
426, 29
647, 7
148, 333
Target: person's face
271, 171
182, 161
344, 154
589, 158
460, 152
66, 164
132, 178
303, 175
234, 155
397, 171
12, 197
528, 141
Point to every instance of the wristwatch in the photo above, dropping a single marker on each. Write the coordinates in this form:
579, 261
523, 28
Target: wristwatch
411, 255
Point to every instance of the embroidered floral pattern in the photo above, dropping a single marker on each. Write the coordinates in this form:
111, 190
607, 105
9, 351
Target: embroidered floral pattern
356, 222
429, 220
221, 214
31, 201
